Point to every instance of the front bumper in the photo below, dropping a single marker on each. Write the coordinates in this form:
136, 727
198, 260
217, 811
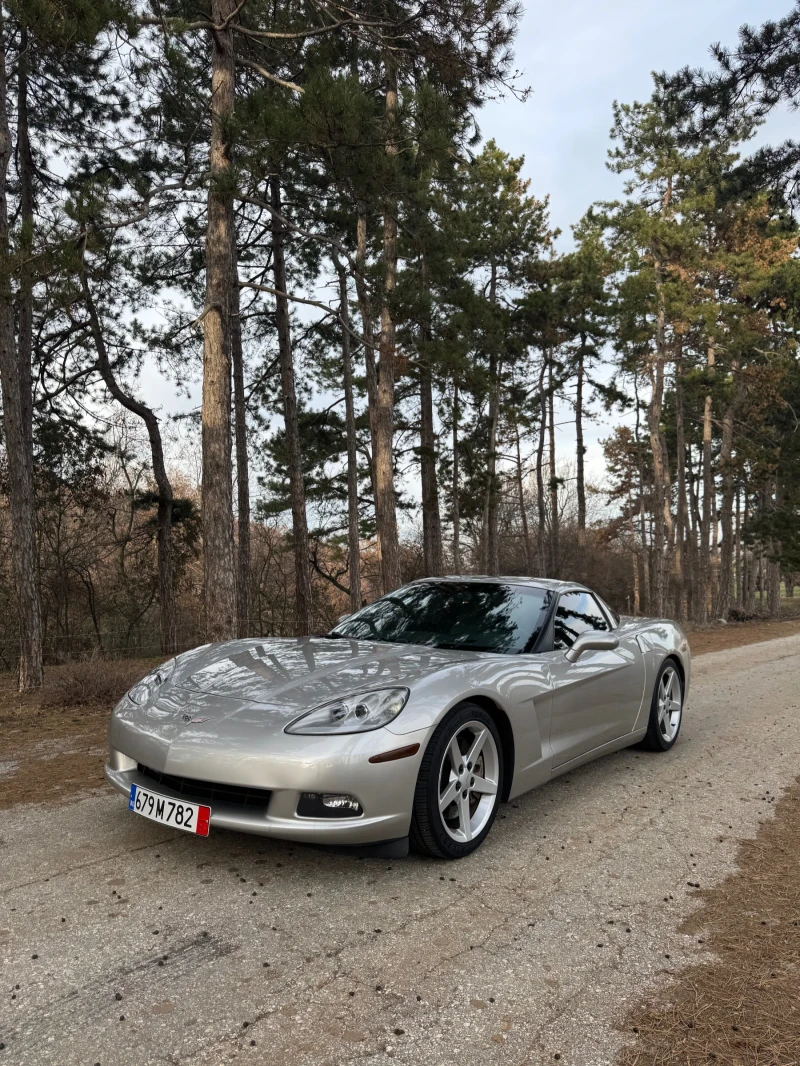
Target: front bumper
315, 764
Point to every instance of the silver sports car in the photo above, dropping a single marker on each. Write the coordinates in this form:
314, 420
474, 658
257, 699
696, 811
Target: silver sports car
411, 721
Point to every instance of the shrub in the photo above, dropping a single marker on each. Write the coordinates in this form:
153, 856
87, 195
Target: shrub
92, 682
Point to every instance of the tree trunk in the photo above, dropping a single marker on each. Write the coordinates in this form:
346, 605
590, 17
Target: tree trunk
555, 520
353, 537
773, 563
26, 207
642, 509
293, 453
709, 502
680, 522
773, 588
219, 569
491, 535
749, 590
724, 584
737, 535
540, 498
431, 520
660, 495
456, 501
368, 332
15, 379
384, 437
242, 462
580, 450
491, 544
635, 567
523, 515
166, 585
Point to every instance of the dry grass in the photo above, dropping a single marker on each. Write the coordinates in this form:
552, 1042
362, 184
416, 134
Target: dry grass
742, 1007
54, 741
92, 682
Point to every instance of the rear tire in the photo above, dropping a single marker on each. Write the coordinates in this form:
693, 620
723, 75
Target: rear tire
459, 785
666, 709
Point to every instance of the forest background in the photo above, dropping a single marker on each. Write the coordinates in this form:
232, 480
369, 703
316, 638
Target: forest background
280, 329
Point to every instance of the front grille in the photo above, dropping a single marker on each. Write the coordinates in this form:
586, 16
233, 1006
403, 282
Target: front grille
208, 791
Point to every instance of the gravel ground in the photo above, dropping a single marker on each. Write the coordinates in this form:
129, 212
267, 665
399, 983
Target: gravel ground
124, 943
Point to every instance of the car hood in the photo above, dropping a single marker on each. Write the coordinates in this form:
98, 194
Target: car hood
293, 675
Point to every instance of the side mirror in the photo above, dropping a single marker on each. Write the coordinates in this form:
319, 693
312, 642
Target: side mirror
592, 642
342, 617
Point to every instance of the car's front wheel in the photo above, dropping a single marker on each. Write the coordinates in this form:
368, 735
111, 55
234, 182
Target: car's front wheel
459, 785
666, 708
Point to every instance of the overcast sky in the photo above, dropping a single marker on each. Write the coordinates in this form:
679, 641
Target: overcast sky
578, 56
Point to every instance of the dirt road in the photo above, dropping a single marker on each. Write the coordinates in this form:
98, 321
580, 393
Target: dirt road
125, 944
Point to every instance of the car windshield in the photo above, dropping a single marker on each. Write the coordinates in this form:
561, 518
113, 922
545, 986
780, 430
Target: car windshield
468, 615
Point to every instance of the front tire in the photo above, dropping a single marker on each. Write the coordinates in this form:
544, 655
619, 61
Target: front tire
459, 785
666, 708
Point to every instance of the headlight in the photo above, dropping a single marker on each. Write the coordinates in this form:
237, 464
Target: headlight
358, 713
142, 690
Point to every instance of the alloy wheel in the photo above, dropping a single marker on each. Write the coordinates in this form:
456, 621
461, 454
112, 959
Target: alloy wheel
670, 704
468, 780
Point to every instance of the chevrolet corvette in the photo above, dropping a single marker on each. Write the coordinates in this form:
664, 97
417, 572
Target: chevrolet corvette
410, 722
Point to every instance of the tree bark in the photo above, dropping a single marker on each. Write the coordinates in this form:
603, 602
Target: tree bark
540, 499
353, 537
384, 438
642, 509
490, 545
709, 501
219, 568
16, 385
293, 453
724, 585
242, 461
737, 534
26, 208
367, 329
166, 586
555, 519
580, 450
491, 536
526, 540
431, 520
456, 500
660, 496
680, 518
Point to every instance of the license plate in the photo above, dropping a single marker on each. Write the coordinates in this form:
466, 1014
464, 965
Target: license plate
191, 817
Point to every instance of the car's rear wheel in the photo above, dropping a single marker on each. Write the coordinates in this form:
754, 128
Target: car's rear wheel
666, 708
459, 785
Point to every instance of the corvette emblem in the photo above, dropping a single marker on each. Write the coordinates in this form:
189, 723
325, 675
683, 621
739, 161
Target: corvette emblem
193, 721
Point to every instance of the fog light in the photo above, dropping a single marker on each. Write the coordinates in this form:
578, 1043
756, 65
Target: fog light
328, 805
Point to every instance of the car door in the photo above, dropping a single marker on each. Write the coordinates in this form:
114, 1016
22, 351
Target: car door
597, 699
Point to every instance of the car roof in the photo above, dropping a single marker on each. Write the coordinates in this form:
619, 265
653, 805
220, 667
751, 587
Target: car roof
516, 579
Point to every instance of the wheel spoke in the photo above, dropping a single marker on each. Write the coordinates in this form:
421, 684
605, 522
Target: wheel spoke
449, 794
484, 785
476, 747
456, 758
674, 705
662, 712
464, 819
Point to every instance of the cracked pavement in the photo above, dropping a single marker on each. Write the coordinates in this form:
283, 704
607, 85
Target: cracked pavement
125, 943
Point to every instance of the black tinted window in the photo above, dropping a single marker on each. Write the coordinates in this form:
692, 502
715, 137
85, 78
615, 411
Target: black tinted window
577, 613
454, 614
